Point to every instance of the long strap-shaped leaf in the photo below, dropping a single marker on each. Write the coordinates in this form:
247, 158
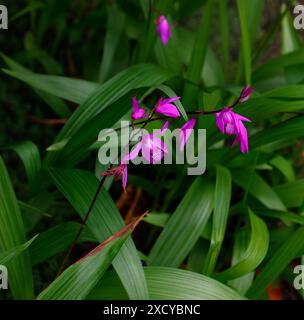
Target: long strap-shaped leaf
184, 227
289, 250
7, 256
56, 240
243, 283
12, 234
29, 154
138, 76
168, 284
246, 46
258, 188
199, 52
79, 188
54, 102
255, 253
220, 216
115, 26
102, 100
74, 90
79, 279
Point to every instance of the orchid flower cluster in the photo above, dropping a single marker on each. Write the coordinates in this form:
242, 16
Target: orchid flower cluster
153, 148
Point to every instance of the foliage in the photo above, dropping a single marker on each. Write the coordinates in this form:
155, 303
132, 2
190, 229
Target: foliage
228, 234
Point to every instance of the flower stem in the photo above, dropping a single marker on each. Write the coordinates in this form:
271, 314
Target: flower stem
90, 210
82, 226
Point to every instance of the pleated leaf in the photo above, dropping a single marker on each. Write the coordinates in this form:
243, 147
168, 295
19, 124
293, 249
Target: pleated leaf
56, 240
78, 280
29, 154
79, 187
258, 188
222, 198
184, 227
168, 284
12, 234
289, 250
7, 256
254, 254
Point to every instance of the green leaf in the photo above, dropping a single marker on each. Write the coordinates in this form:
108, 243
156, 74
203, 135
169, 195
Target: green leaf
197, 256
7, 256
168, 284
291, 92
243, 283
246, 39
258, 188
115, 26
184, 227
76, 282
79, 187
285, 166
283, 216
289, 250
290, 129
56, 240
290, 41
33, 6
292, 194
161, 219
74, 90
157, 219
138, 76
255, 14
222, 198
73, 150
29, 154
12, 234
28, 207
58, 106
254, 254
199, 52
145, 7
276, 66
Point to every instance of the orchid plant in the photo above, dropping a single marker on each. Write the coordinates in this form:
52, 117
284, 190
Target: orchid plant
153, 148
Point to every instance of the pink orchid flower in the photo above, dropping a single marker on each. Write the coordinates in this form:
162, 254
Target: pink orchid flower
163, 29
230, 123
246, 94
120, 171
165, 107
151, 146
186, 131
138, 112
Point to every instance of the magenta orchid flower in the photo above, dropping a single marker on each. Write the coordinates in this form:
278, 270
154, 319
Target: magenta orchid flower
246, 94
186, 131
230, 123
163, 29
138, 112
151, 146
120, 171
165, 107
